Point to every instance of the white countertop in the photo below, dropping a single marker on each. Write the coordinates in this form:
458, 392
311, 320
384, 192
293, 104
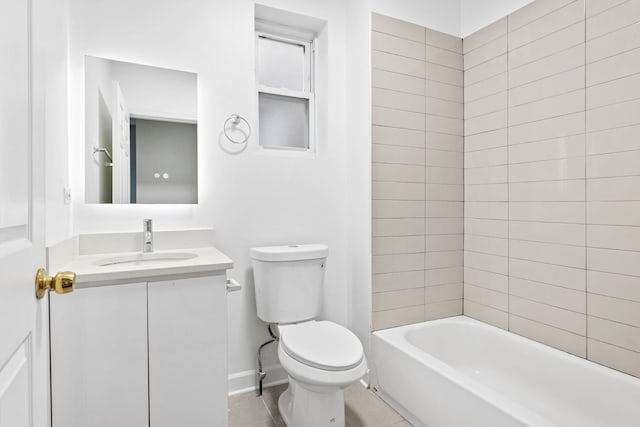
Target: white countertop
89, 273
85, 263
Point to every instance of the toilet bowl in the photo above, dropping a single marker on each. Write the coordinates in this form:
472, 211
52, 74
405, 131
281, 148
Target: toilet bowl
321, 358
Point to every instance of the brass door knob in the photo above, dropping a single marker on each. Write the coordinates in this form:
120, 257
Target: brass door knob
62, 283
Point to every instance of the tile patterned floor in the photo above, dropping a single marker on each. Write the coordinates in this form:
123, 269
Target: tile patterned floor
362, 409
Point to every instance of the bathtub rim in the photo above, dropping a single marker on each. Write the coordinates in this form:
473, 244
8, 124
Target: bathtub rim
396, 337
462, 319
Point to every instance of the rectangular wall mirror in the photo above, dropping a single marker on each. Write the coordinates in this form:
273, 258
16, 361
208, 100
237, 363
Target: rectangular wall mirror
140, 133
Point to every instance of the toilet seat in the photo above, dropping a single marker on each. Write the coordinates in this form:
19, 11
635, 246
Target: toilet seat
310, 377
322, 345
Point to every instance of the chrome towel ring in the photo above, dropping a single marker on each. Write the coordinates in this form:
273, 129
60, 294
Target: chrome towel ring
234, 121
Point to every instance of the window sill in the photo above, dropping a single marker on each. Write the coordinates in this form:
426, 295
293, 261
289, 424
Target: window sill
284, 152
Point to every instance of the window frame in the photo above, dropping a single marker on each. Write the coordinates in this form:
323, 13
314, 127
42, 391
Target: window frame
284, 34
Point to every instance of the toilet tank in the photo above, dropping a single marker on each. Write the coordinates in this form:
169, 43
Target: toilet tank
289, 281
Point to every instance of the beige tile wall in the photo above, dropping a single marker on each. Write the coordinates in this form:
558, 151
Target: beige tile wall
549, 106
525, 174
485, 171
444, 176
417, 173
558, 264
613, 178
547, 189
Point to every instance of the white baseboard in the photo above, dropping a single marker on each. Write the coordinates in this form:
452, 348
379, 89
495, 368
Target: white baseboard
245, 381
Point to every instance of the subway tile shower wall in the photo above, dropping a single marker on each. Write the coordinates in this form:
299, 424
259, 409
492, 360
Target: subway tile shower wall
613, 177
550, 162
551, 176
542, 194
486, 280
417, 173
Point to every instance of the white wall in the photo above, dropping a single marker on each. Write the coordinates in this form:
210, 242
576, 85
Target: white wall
157, 92
58, 164
477, 14
275, 200
440, 15
359, 159
250, 199
457, 17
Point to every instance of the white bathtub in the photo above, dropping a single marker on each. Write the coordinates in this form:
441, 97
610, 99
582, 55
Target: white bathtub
461, 372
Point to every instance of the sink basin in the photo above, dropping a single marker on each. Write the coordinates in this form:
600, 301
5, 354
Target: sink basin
145, 258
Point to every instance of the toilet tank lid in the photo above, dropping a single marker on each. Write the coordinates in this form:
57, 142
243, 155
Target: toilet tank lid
289, 252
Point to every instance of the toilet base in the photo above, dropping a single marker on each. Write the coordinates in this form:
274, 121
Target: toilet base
312, 406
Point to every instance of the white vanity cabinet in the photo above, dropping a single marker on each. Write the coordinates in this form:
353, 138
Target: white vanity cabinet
188, 352
99, 357
150, 354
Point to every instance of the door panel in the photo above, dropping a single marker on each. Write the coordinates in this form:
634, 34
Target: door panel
15, 122
15, 388
121, 142
23, 319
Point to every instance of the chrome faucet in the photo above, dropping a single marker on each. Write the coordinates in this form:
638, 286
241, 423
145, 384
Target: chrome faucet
147, 236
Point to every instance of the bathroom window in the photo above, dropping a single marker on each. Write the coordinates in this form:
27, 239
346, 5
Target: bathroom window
284, 72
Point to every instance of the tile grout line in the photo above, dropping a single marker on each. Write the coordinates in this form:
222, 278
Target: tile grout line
586, 279
426, 170
266, 407
508, 191
464, 173
539, 17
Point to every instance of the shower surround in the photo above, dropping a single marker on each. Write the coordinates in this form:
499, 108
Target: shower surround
417, 173
551, 188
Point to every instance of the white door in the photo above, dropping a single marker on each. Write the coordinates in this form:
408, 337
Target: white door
121, 145
24, 352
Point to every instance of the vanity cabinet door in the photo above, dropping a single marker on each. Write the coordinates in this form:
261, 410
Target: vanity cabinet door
188, 352
99, 362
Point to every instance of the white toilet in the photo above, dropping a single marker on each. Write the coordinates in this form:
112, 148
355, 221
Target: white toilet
320, 357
